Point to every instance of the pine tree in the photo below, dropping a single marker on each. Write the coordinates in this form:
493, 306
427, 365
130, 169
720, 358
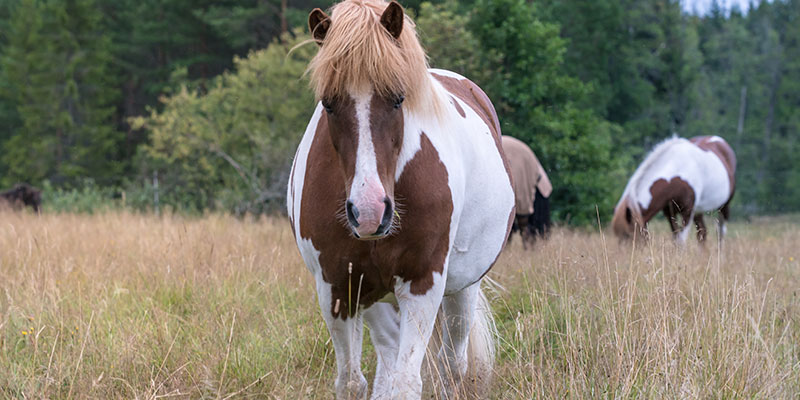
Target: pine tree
9, 119
56, 69
547, 108
782, 177
641, 57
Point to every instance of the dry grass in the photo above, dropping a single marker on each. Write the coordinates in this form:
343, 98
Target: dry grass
127, 306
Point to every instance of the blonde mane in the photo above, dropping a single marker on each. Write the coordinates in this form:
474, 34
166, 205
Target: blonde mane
358, 53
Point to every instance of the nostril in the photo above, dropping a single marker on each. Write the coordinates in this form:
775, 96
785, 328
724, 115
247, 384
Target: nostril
352, 213
386, 220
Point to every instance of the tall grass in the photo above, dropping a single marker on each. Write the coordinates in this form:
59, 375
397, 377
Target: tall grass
587, 317
122, 305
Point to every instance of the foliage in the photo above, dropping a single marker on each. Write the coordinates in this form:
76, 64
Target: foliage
550, 110
447, 40
590, 85
660, 72
64, 113
89, 198
230, 148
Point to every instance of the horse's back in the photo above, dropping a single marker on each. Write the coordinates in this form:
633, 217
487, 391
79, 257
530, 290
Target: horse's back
706, 172
679, 160
527, 175
720, 148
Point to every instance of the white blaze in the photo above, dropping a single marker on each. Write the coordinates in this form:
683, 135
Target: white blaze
366, 190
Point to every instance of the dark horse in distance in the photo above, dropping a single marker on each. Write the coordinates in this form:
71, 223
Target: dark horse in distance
20, 196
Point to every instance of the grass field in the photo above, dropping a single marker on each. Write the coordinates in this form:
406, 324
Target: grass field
122, 305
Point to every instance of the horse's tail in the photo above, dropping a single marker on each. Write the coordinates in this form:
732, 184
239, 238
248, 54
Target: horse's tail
481, 346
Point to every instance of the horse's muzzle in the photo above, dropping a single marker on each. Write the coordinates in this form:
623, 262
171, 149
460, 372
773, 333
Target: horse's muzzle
365, 225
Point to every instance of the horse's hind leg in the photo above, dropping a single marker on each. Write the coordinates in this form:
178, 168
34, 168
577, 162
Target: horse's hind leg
458, 314
724, 215
384, 330
528, 234
701, 228
521, 222
467, 353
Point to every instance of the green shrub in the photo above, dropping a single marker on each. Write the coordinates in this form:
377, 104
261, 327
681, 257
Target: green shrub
230, 148
90, 198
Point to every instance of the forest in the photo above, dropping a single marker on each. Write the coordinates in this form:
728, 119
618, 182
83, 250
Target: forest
201, 103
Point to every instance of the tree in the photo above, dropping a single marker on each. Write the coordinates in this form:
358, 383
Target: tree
782, 135
448, 42
540, 104
642, 58
9, 119
56, 72
231, 147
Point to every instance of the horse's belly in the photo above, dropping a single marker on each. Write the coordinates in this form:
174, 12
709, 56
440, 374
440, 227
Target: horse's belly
483, 222
716, 189
713, 198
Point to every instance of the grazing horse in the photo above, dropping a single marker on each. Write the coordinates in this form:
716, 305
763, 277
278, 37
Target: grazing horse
399, 189
21, 195
680, 177
532, 189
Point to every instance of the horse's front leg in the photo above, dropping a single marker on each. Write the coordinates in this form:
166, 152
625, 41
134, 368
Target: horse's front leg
347, 335
417, 316
384, 330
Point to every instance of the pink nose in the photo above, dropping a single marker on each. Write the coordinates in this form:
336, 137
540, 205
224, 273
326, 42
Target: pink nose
370, 218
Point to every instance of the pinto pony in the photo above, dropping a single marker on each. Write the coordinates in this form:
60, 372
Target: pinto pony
681, 178
532, 189
399, 188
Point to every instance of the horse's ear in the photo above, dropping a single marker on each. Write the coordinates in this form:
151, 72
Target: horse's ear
318, 23
392, 19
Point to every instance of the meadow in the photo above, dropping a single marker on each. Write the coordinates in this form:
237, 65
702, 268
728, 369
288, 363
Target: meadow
125, 305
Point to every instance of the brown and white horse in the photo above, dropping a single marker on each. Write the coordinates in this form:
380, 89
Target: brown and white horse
399, 187
679, 177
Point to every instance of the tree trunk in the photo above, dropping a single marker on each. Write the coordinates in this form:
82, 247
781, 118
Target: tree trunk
284, 24
57, 176
129, 111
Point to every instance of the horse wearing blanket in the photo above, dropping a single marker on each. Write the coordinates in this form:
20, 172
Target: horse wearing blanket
399, 187
532, 189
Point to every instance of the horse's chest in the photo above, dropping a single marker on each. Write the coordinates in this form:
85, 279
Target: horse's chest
365, 271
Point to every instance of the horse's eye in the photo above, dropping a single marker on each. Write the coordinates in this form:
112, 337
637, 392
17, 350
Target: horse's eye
398, 101
326, 104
